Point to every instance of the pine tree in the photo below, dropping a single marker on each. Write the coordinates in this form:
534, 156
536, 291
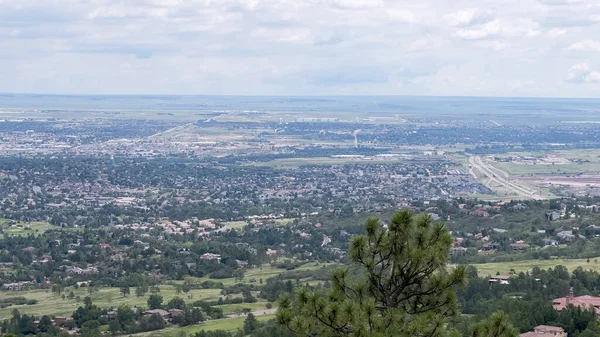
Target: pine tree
250, 324
401, 286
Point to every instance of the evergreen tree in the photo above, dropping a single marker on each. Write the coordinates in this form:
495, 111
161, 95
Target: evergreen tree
155, 302
401, 286
250, 324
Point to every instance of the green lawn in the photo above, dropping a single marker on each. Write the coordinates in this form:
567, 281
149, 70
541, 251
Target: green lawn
19, 228
235, 224
24, 228
238, 308
265, 272
52, 304
526, 265
227, 324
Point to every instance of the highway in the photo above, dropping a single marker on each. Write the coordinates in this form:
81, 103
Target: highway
500, 177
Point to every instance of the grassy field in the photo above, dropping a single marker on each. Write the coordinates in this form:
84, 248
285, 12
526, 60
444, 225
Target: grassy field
526, 265
227, 324
236, 224
53, 304
24, 228
590, 155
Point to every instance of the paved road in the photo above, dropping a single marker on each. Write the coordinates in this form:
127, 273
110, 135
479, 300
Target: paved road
494, 175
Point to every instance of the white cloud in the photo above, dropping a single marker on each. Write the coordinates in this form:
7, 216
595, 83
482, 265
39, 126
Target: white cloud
469, 17
557, 32
586, 45
582, 73
560, 2
480, 32
356, 4
434, 47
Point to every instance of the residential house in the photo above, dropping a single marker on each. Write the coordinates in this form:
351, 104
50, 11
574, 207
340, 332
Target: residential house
6, 265
550, 242
241, 263
175, 312
500, 279
458, 250
161, 312
270, 252
490, 246
111, 315
565, 235
583, 302
480, 212
210, 256
545, 331
553, 216
518, 246
17, 286
62, 320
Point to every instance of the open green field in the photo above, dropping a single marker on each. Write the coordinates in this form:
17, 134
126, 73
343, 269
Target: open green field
242, 224
526, 265
109, 297
525, 169
236, 224
53, 304
591, 155
227, 324
24, 228
254, 275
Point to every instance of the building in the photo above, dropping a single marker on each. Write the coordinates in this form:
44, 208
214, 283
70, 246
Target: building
61, 320
161, 312
545, 331
518, 246
565, 235
480, 212
500, 279
17, 286
210, 256
553, 216
490, 246
584, 302
458, 250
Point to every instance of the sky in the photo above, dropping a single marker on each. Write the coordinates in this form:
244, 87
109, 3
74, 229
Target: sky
538, 48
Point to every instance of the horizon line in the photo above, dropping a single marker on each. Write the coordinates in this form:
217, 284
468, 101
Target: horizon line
293, 95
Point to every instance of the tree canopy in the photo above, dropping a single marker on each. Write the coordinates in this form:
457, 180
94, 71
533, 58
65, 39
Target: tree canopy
400, 284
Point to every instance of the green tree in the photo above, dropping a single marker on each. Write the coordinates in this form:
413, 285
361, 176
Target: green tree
498, 325
87, 301
250, 324
45, 323
155, 302
114, 327
400, 286
176, 303
139, 292
125, 291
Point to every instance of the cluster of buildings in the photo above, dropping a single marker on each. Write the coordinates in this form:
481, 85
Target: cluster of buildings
584, 302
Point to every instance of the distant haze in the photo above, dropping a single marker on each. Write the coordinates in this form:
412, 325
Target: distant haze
503, 110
